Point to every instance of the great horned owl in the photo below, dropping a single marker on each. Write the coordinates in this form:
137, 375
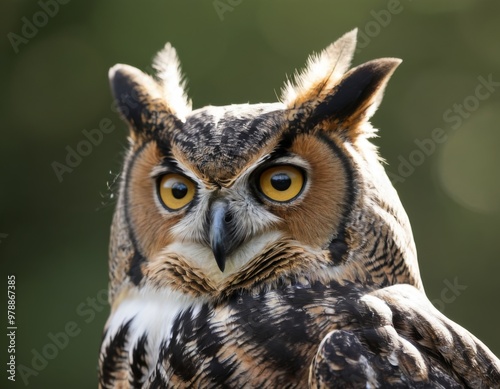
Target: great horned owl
264, 246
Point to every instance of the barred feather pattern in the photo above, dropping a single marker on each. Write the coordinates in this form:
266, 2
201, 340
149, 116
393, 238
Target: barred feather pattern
390, 337
320, 290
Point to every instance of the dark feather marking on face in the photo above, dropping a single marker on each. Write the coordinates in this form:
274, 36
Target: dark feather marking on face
287, 139
134, 270
164, 143
220, 142
171, 165
338, 248
338, 245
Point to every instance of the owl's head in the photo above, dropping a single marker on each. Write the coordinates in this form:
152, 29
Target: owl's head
228, 198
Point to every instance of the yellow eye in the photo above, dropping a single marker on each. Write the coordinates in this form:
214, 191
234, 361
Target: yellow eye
176, 191
281, 183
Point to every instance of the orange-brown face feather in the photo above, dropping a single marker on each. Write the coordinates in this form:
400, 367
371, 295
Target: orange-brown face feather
312, 219
151, 228
225, 151
315, 216
275, 206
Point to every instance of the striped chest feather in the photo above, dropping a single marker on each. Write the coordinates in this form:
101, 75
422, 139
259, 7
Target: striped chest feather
268, 338
296, 335
263, 245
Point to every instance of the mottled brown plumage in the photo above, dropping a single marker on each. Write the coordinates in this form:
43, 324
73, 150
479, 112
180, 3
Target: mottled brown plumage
264, 246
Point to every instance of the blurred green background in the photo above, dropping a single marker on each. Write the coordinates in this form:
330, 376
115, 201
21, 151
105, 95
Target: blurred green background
54, 235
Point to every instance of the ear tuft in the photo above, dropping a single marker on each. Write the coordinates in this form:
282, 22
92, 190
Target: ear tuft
149, 104
125, 78
357, 96
168, 68
137, 95
326, 93
322, 72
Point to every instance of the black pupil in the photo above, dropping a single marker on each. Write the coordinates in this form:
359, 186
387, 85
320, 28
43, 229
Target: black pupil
179, 190
281, 182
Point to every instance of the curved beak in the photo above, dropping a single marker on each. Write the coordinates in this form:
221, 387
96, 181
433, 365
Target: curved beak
223, 238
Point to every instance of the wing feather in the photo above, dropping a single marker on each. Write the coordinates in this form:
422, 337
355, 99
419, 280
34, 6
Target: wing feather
413, 345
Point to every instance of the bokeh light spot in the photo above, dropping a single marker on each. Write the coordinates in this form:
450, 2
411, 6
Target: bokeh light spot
469, 162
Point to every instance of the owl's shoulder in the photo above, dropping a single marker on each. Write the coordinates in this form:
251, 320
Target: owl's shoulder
397, 338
